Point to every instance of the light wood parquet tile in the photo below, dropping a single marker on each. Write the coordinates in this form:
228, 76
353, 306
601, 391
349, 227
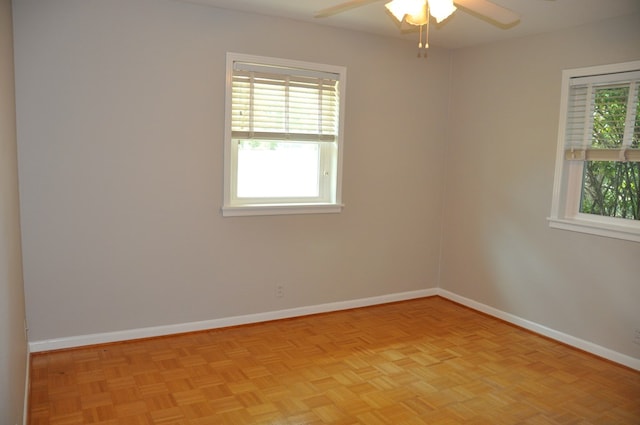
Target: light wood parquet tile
426, 361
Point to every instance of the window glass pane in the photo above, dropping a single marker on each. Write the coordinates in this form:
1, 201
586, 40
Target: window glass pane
272, 169
610, 112
611, 189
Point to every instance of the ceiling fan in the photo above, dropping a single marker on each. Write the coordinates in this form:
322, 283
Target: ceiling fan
418, 12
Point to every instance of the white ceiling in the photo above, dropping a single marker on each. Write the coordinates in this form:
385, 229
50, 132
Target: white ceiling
460, 30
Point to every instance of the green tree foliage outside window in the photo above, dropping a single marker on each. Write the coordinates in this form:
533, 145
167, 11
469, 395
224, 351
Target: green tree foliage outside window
612, 188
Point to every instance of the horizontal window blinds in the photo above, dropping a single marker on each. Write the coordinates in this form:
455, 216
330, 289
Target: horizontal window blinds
277, 103
603, 123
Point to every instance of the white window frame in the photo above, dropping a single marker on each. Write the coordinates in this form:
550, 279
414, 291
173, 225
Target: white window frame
567, 187
330, 175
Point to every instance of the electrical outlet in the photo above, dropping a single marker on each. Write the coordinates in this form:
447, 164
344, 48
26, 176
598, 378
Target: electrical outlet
636, 336
279, 291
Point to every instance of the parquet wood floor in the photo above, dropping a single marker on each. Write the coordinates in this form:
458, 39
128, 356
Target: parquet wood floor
426, 361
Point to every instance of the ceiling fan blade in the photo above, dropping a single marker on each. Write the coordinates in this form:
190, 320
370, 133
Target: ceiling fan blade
490, 10
342, 7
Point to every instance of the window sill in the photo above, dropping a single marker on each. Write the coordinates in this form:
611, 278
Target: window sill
251, 210
629, 233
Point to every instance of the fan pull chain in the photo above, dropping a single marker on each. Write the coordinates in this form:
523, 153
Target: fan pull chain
422, 48
426, 35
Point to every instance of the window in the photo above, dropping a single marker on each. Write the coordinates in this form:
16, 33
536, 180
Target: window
597, 183
283, 136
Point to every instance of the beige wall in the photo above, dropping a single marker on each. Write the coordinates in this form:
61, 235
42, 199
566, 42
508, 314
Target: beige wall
497, 248
120, 117
13, 343
120, 112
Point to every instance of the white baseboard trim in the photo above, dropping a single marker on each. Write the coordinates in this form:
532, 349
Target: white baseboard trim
581, 344
107, 337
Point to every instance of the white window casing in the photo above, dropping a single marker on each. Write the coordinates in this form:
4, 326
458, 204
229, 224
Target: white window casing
283, 126
575, 147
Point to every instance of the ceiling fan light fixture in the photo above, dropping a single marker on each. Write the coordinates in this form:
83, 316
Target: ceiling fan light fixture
414, 11
419, 12
441, 9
